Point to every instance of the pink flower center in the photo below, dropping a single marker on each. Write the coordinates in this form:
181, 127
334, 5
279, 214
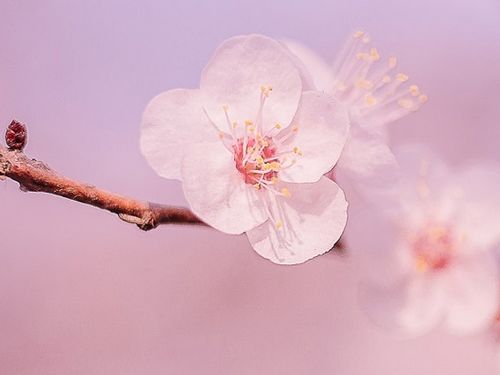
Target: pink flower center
433, 248
260, 154
256, 160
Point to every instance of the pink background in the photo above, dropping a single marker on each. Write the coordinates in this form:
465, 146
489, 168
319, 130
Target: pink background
83, 293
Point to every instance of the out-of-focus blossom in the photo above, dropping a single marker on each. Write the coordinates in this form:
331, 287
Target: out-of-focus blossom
426, 252
494, 335
376, 93
251, 148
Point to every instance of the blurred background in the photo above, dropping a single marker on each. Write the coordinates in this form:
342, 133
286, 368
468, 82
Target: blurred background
83, 293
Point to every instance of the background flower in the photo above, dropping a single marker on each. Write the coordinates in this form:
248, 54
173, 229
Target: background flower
376, 93
432, 260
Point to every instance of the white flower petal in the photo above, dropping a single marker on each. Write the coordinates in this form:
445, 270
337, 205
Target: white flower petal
172, 121
235, 74
472, 290
322, 128
377, 245
478, 218
216, 191
313, 220
321, 72
411, 307
367, 162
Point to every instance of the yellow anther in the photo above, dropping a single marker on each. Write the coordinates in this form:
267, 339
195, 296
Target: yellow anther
266, 90
375, 56
421, 265
286, 193
392, 62
386, 79
423, 98
278, 224
248, 122
251, 129
295, 129
297, 151
274, 180
401, 77
275, 166
235, 125
366, 39
364, 84
358, 34
256, 186
259, 160
277, 126
414, 90
225, 107
370, 100
405, 103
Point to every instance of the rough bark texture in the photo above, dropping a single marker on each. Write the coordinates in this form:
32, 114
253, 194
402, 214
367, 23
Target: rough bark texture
35, 176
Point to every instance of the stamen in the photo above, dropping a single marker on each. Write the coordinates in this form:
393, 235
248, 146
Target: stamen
414, 90
393, 61
358, 34
286, 193
402, 77
405, 103
433, 247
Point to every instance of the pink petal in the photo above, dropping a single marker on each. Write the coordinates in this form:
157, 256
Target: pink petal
323, 127
321, 72
421, 189
216, 191
479, 194
235, 74
172, 121
376, 245
367, 162
410, 307
472, 294
314, 218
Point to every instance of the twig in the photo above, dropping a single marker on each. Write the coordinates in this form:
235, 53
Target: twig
35, 176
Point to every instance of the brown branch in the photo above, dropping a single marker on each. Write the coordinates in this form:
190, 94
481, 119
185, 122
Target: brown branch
35, 176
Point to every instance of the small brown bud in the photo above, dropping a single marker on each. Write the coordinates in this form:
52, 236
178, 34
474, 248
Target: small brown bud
16, 135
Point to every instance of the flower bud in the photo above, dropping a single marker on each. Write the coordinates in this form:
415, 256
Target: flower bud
16, 135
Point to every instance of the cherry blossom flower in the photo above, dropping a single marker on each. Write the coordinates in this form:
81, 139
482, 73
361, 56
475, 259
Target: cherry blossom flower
426, 255
251, 148
376, 94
